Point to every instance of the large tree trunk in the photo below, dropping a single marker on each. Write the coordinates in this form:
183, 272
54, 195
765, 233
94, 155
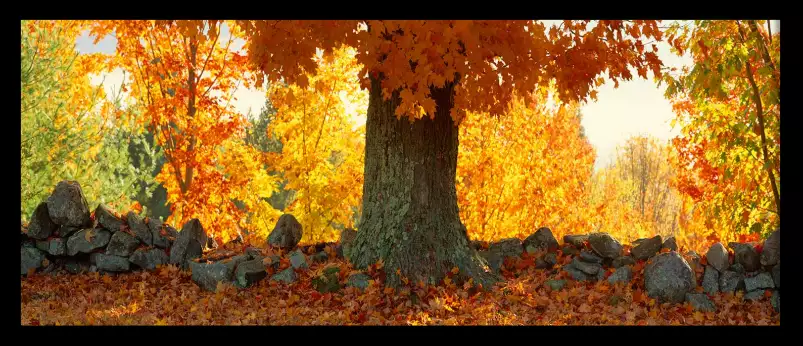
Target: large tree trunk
410, 217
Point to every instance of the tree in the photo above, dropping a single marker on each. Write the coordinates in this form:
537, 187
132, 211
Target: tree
65, 133
728, 106
322, 148
432, 73
183, 78
509, 185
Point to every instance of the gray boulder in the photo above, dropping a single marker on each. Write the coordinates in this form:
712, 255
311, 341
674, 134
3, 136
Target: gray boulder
587, 268
494, 260
541, 239
647, 248
76, 267
110, 263
189, 244
327, 282
106, 217
320, 257
30, 258
208, 275
776, 275
589, 257
55, 246
122, 244
771, 254
717, 257
760, 281
287, 276
668, 278
67, 205
41, 226
149, 259
555, 285
622, 274
575, 273
249, 273
670, 244
754, 295
298, 260
604, 245
286, 234
569, 250
160, 240
358, 280
776, 301
710, 280
700, 301
510, 247
622, 261
731, 281
140, 229
737, 267
577, 240
97, 238
746, 255
66, 231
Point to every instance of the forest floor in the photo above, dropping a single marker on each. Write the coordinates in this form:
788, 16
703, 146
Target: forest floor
168, 296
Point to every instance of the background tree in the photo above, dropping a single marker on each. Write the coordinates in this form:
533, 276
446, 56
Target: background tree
728, 107
433, 72
66, 128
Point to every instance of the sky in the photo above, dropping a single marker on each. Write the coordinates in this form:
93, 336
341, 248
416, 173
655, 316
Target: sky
636, 107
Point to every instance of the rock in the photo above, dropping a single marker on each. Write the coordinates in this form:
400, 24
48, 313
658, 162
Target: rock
298, 260
647, 248
771, 254
556, 285
717, 257
286, 234
700, 302
668, 278
110, 263
41, 226
140, 229
622, 261
551, 259
287, 276
495, 261
604, 245
510, 247
273, 261
346, 239
588, 268
737, 267
541, 239
149, 259
327, 281
250, 272
569, 250
476, 245
776, 301
208, 275
670, 244
159, 240
57, 247
76, 267
760, 281
746, 255
106, 217
122, 244
42, 245
622, 274
754, 295
358, 280
638, 242
189, 243
710, 280
776, 275
30, 258
67, 205
170, 231
320, 257
78, 242
66, 231
575, 273
590, 257
730, 281
577, 240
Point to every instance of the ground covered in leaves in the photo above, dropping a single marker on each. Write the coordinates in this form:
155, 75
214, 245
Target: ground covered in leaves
168, 296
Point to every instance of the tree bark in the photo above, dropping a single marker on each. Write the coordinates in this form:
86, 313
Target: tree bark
410, 217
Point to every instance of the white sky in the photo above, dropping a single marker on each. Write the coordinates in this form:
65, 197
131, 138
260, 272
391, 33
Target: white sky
637, 107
